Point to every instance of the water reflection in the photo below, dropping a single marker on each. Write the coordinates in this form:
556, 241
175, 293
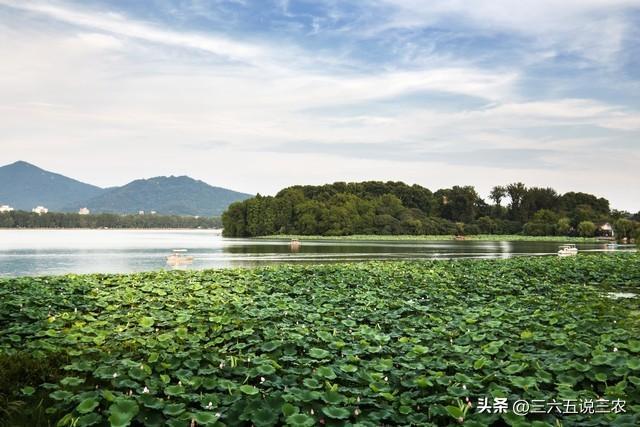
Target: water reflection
37, 252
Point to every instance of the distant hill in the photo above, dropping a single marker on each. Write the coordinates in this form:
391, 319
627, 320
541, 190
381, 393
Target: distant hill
24, 186
173, 195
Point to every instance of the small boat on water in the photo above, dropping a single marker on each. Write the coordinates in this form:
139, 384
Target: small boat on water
568, 250
179, 257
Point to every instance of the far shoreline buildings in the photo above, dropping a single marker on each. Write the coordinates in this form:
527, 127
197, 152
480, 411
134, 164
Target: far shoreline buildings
40, 210
6, 208
84, 211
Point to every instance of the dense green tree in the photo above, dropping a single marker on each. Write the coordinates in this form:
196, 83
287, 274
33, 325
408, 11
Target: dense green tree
516, 193
458, 203
21, 219
564, 226
586, 229
376, 207
486, 225
497, 194
623, 228
536, 199
570, 201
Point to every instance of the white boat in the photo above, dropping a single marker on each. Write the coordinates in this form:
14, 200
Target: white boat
179, 257
568, 250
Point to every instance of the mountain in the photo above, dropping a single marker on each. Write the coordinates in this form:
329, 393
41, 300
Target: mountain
25, 186
173, 195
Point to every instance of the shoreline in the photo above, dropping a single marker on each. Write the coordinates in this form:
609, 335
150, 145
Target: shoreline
106, 229
444, 237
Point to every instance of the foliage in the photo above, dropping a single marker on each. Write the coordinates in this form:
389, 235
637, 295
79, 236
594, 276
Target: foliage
395, 208
586, 229
21, 219
397, 343
624, 228
482, 237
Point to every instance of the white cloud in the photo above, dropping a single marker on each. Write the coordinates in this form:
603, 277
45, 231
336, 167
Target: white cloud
107, 98
118, 24
594, 29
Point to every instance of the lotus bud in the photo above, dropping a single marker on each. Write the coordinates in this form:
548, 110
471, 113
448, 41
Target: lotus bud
615, 349
146, 390
115, 375
356, 412
464, 387
179, 383
311, 411
262, 379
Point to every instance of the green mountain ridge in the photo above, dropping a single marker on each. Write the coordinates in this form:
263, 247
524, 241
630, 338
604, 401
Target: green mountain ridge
24, 186
173, 195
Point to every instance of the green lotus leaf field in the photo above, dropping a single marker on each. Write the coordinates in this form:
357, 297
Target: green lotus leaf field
365, 344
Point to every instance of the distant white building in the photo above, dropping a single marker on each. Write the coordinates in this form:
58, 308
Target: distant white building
40, 210
5, 208
606, 230
84, 211
153, 212
140, 212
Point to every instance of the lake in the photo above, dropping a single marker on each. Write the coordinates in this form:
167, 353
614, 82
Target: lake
45, 252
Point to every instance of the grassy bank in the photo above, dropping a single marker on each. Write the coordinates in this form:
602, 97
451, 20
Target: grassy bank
394, 343
481, 237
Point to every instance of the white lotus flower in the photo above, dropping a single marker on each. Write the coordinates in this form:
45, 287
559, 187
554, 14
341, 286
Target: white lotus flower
615, 349
262, 379
115, 375
146, 390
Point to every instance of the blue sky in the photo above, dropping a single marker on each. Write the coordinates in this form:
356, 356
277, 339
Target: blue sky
258, 95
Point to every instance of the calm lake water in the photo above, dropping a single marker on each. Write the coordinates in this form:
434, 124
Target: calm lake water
40, 252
